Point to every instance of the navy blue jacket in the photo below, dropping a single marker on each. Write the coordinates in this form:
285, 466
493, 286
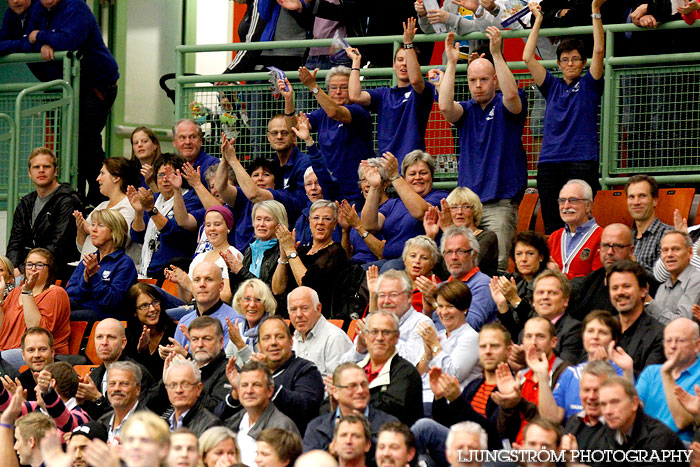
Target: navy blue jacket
298, 393
70, 25
12, 31
105, 290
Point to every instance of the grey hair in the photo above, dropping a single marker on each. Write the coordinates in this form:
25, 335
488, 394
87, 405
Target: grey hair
183, 120
454, 231
131, 367
423, 242
210, 173
315, 302
416, 156
389, 314
184, 363
396, 275
599, 368
688, 240
468, 427
275, 208
324, 203
307, 173
260, 289
339, 70
587, 190
374, 162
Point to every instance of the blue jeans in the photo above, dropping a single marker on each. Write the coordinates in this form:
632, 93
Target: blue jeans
430, 440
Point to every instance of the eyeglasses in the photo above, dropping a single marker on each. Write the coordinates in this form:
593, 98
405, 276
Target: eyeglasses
383, 332
461, 207
570, 200
354, 386
37, 266
319, 218
276, 133
186, 385
161, 175
392, 295
573, 60
337, 88
616, 247
147, 306
251, 300
460, 252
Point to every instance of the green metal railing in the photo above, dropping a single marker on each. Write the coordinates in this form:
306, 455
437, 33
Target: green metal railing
638, 93
42, 114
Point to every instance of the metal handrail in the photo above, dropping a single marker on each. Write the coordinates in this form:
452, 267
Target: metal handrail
66, 143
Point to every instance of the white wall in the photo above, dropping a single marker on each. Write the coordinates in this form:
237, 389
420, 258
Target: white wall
214, 26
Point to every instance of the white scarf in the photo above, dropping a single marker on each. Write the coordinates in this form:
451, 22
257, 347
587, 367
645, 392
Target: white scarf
152, 233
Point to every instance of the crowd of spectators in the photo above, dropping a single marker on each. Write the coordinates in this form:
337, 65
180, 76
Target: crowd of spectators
332, 300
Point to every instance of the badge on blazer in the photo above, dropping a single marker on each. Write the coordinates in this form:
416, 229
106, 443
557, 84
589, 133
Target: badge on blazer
585, 254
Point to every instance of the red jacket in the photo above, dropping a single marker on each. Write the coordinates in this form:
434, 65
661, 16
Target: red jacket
586, 257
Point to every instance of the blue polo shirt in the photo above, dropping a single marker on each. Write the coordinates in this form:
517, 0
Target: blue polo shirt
492, 160
204, 161
570, 119
651, 391
344, 145
399, 225
567, 392
219, 310
361, 253
402, 117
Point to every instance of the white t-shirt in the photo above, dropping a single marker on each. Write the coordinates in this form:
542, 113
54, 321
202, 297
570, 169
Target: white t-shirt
219, 262
247, 444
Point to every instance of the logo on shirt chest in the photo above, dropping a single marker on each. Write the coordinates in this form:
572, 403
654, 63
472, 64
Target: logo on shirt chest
585, 254
576, 87
286, 183
105, 275
406, 95
491, 114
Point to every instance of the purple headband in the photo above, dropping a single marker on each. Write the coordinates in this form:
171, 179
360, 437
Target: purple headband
225, 212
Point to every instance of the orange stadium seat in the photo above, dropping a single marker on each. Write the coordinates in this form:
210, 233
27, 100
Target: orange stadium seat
610, 207
526, 210
671, 199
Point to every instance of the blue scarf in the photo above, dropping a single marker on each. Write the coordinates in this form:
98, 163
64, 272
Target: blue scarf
269, 11
257, 250
251, 334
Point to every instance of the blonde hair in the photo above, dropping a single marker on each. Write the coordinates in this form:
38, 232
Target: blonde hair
213, 436
156, 427
116, 223
35, 425
260, 290
463, 195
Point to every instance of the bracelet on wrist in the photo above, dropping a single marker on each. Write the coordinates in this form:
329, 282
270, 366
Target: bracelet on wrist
354, 69
408, 46
279, 261
8, 426
290, 114
395, 177
596, 15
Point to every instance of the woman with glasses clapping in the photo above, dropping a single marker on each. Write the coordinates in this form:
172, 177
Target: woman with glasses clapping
38, 302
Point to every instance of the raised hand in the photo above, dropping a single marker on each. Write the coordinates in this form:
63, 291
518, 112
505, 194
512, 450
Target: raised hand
451, 387
420, 8
303, 128
52, 452
508, 289
144, 339
234, 334
438, 16
146, 197
435, 386
431, 222
355, 55
409, 30
177, 275
516, 356
285, 88
43, 381
80, 222
92, 266
390, 164
174, 177
372, 275
472, 5
308, 78
147, 171
350, 214
232, 376
473, 56
689, 402
191, 174
427, 287
451, 48
497, 295
134, 199
435, 76
232, 261
536, 10
495, 40
285, 238
98, 453
596, 4
14, 409
537, 361
620, 358
361, 343
371, 174
505, 380
87, 390
680, 222
30, 280
689, 7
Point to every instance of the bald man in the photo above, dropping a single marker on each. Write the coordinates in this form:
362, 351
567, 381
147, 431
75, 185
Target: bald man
492, 160
207, 285
590, 292
110, 341
682, 368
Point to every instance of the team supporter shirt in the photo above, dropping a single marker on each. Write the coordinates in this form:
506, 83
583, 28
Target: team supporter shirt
360, 251
344, 145
570, 119
400, 225
492, 160
567, 392
402, 117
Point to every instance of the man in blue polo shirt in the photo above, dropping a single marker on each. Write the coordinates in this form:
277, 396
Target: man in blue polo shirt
570, 141
402, 111
187, 139
344, 129
492, 159
70, 25
682, 368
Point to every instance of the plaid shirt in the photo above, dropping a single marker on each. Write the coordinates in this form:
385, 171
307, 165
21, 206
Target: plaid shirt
648, 248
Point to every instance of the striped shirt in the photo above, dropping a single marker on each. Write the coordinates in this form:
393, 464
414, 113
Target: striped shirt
481, 398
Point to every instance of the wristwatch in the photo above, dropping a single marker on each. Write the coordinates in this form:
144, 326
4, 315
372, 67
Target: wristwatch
365, 234
27, 292
315, 90
435, 349
153, 211
292, 255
